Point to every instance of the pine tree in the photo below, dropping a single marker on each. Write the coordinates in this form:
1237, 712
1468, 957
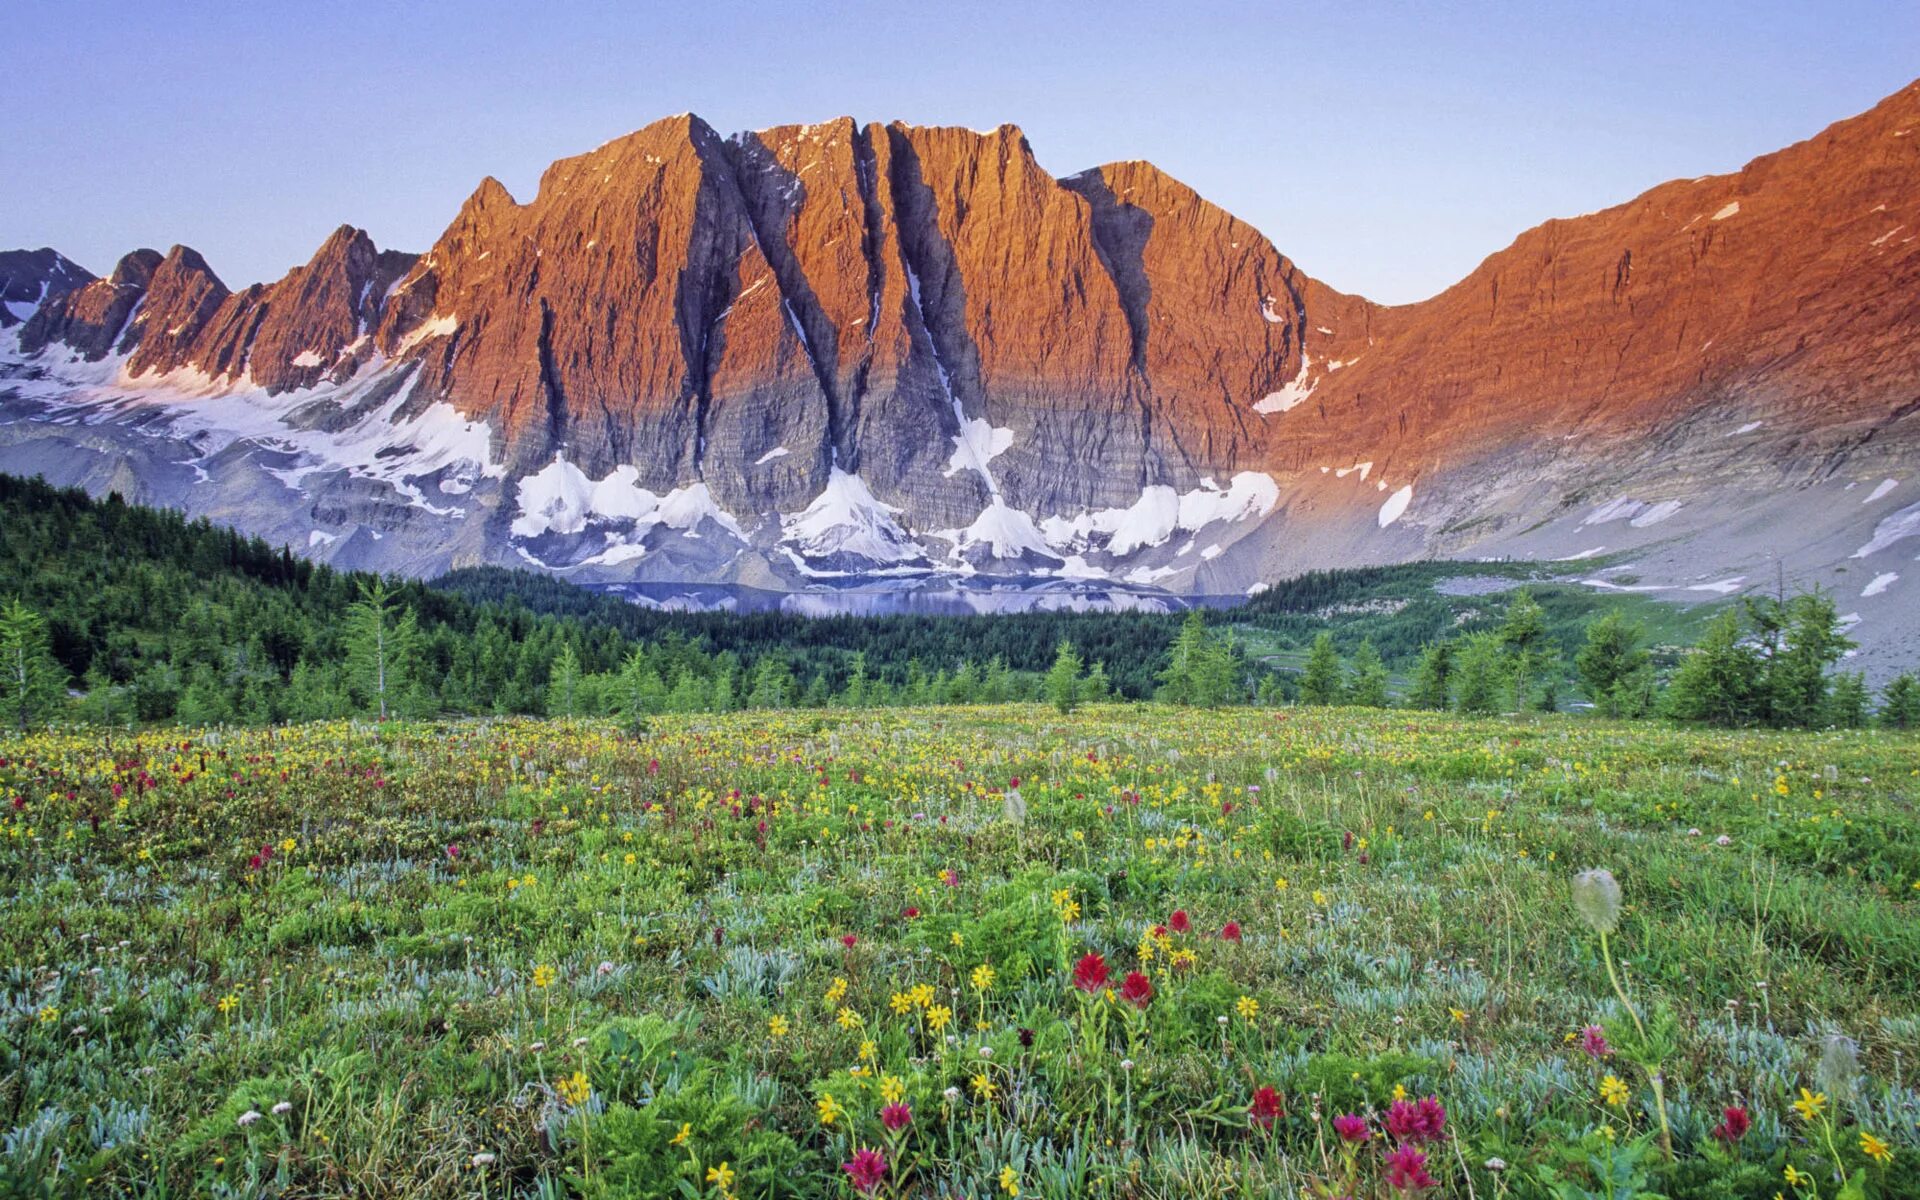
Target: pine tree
1367, 686
1320, 682
1797, 685
563, 684
1846, 703
1432, 678
772, 684
1719, 680
1615, 671
1096, 687
854, 695
1177, 678
34, 683
380, 641
1523, 632
1476, 674
1217, 673
1900, 703
1063, 680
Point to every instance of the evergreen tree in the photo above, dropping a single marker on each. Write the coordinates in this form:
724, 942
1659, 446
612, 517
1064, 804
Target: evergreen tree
772, 684
1523, 633
1177, 678
34, 684
854, 695
1432, 678
1615, 672
1719, 680
1797, 684
1846, 703
1320, 682
563, 684
1477, 674
1096, 687
1217, 673
1063, 680
1900, 703
1367, 685
380, 630
689, 693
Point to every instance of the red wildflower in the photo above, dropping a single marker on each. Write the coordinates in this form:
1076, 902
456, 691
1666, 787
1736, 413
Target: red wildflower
848, 940
453, 851
1137, 990
896, 1116
1594, 1041
910, 912
867, 1169
1230, 932
1265, 1108
1351, 1127
1733, 1126
1090, 973
1179, 921
1407, 1170
1425, 1121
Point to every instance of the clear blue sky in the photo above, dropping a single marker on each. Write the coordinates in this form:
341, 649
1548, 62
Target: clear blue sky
1386, 147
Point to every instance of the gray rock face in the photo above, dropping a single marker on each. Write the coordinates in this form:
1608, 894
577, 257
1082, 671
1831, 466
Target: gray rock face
29, 278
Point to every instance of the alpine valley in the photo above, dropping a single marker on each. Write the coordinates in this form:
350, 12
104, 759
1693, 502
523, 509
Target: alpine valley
848, 358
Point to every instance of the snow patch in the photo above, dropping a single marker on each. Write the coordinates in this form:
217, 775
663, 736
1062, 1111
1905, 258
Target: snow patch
847, 518
1903, 524
1729, 211
560, 498
769, 456
978, 443
1880, 584
1396, 505
308, 358
1886, 485
1656, 514
1292, 395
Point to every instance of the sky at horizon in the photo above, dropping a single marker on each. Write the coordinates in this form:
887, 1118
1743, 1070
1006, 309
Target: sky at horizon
1386, 148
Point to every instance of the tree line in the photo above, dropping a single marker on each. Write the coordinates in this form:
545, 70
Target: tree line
116, 613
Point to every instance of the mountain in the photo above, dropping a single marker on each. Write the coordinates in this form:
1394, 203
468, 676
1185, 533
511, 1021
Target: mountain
848, 355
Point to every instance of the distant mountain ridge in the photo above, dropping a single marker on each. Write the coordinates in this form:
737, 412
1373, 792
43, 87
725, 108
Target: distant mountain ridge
880, 355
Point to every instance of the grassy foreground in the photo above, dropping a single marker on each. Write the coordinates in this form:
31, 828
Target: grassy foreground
821, 954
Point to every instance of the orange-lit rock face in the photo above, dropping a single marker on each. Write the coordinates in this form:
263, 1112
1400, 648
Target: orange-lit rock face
986, 348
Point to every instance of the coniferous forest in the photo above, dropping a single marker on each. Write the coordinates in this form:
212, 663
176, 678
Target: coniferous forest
114, 613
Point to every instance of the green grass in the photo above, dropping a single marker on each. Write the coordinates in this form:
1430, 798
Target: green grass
458, 918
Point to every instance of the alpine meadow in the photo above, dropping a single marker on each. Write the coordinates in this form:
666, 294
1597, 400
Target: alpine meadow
859, 659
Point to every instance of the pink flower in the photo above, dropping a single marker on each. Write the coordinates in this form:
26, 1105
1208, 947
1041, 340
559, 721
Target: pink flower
1407, 1170
848, 940
1137, 990
895, 1117
1425, 1121
453, 851
1179, 921
1593, 1040
1230, 932
1351, 1127
867, 1170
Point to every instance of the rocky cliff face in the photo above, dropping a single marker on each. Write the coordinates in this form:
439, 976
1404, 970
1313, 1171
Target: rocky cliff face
815, 352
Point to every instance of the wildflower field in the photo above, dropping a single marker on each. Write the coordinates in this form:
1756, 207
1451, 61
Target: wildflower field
962, 952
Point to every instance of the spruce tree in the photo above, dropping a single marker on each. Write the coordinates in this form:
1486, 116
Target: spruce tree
1615, 672
1367, 686
563, 684
1719, 680
1063, 679
1433, 678
34, 683
381, 632
1523, 632
1900, 703
1476, 674
1846, 703
1320, 682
